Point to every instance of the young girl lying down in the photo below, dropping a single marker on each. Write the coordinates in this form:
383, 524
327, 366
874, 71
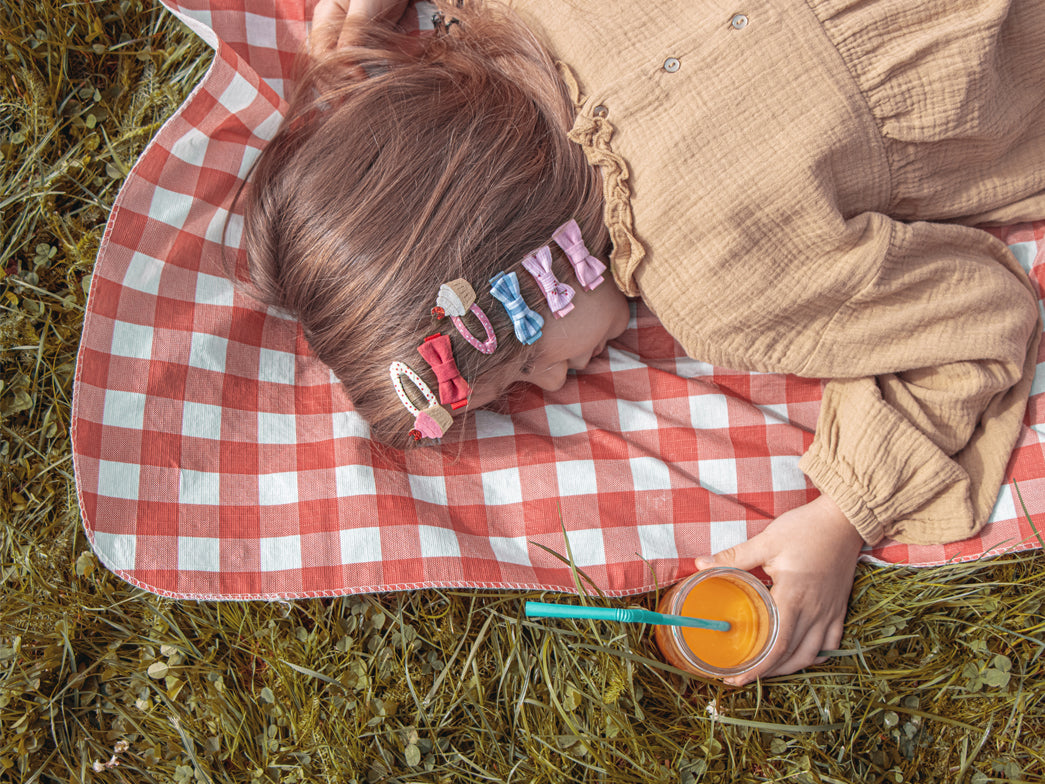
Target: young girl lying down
791, 188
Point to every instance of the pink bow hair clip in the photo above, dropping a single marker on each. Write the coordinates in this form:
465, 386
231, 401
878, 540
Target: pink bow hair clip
586, 267
559, 295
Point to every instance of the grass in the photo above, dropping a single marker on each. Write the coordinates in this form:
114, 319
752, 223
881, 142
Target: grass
940, 680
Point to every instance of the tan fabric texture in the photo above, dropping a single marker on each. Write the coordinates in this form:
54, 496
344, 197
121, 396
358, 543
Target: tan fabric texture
791, 187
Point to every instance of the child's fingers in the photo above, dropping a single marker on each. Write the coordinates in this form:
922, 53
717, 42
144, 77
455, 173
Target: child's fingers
803, 634
806, 628
334, 22
807, 651
832, 640
328, 18
746, 555
330, 11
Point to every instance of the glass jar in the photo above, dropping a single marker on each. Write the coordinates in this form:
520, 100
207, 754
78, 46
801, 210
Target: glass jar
726, 594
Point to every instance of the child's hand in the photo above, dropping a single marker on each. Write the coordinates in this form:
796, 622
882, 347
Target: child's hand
333, 21
810, 552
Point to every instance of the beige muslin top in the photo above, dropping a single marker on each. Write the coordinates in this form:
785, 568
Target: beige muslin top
789, 185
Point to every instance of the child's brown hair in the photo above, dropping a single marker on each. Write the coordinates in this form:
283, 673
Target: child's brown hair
403, 163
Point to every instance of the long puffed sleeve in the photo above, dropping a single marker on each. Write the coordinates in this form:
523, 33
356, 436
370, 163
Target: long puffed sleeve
918, 453
928, 333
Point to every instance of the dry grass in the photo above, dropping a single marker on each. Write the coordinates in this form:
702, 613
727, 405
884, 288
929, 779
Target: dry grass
941, 679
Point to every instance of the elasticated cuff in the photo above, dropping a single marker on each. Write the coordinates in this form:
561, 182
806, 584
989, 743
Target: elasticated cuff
848, 499
884, 474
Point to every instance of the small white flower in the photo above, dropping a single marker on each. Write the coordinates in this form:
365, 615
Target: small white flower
712, 709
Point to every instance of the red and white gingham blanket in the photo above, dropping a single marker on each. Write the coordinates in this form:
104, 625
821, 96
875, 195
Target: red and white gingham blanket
215, 458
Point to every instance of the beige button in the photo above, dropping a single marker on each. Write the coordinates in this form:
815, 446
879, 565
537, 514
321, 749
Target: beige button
738, 22
672, 64
600, 111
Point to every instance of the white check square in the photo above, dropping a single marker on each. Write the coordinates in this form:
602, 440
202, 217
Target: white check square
636, 415
786, 473
438, 542
361, 545
207, 351
276, 428
170, 207
261, 30
199, 487
565, 419
131, 340
201, 420
124, 409
657, 541
199, 554
238, 95
190, 146
650, 473
718, 476
347, 424
510, 549
118, 480
277, 489
489, 424
143, 273
214, 290
709, 412
428, 488
1004, 506
278, 553
276, 366
723, 534
501, 488
576, 477
587, 547
354, 480
117, 551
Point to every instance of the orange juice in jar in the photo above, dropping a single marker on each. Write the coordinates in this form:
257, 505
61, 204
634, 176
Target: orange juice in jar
720, 594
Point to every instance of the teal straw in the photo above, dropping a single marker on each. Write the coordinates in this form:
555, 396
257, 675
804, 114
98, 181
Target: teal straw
622, 614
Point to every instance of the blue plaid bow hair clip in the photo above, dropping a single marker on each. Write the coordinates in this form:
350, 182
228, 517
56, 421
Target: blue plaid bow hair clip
505, 287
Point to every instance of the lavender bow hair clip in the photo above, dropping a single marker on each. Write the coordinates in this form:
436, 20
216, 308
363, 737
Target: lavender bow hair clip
559, 295
587, 268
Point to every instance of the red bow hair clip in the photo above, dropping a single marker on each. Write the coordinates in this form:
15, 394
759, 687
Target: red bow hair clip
439, 354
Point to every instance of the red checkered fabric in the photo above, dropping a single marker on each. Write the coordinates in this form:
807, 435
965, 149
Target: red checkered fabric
215, 458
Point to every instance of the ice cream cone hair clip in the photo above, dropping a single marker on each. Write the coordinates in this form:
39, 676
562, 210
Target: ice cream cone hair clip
439, 354
559, 295
434, 420
454, 300
586, 267
527, 323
